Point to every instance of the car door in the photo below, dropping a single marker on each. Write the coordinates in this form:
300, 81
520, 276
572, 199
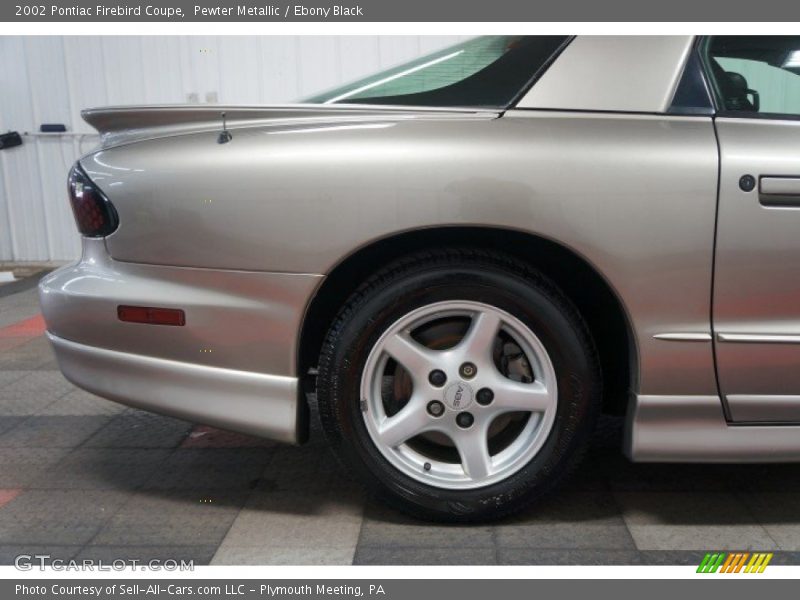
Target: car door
756, 290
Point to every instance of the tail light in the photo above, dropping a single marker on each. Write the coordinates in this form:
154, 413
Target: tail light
94, 213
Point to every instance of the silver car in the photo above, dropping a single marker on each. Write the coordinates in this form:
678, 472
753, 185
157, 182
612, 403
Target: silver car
464, 259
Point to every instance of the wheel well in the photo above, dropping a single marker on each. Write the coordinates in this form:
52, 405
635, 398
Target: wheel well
592, 295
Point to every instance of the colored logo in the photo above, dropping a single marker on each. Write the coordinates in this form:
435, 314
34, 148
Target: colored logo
734, 562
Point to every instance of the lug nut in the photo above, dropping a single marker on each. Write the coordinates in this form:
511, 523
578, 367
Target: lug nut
468, 370
465, 420
435, 408
437, 378
484, 396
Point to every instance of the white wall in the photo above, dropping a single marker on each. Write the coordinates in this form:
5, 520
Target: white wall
50, 79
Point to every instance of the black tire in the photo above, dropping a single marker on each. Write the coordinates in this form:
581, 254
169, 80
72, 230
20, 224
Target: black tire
458, 274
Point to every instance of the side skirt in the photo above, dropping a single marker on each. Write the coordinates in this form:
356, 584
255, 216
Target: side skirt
694, 429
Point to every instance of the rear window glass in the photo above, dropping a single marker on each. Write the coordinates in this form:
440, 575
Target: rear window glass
488, 71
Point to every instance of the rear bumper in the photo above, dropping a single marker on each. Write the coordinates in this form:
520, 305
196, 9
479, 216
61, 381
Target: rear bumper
254, 403
232, 365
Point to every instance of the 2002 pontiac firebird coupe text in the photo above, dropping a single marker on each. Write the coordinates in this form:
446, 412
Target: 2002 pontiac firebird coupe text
466, 258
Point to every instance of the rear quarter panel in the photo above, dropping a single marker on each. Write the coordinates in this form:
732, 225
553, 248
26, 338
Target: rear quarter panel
635, 195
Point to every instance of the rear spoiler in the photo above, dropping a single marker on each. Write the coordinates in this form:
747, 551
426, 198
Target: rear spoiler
122, 124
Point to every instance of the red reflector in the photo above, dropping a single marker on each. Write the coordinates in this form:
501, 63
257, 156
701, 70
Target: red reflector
151, 315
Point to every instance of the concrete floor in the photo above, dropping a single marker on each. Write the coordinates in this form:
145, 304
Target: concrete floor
84, 477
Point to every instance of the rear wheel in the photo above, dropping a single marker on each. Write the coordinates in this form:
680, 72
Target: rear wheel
458, 385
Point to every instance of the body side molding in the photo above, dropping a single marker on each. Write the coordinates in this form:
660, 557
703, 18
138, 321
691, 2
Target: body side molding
756, 338
684, 337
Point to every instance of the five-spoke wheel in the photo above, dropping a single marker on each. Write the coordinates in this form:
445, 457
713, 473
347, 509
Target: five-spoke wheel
469, 365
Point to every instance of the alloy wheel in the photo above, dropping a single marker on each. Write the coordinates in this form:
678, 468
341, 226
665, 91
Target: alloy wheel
458, 394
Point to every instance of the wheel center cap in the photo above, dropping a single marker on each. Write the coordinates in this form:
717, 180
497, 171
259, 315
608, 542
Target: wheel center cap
458, 395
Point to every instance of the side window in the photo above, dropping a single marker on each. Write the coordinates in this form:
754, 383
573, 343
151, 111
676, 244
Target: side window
755, 75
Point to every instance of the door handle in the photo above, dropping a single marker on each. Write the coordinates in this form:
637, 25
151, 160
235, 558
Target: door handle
779, 191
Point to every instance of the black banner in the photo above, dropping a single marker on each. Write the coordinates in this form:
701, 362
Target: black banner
400, 11
730, 588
